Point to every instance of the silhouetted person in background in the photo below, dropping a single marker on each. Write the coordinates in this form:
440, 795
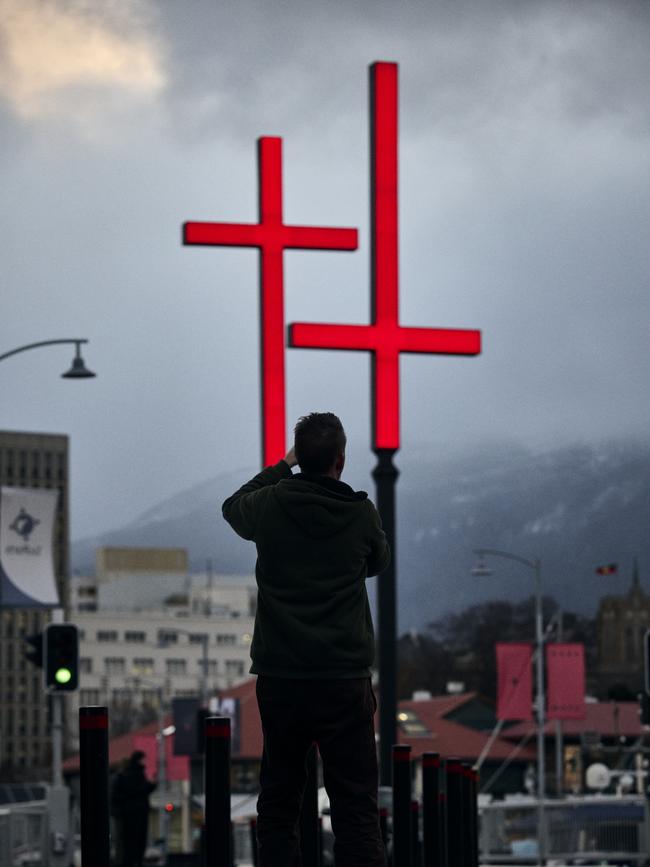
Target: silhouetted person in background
313, 645
130, 808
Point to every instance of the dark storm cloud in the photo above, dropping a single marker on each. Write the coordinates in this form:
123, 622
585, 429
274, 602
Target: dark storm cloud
465, 65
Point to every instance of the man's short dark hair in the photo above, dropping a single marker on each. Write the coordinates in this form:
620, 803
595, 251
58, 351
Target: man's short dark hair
319, 440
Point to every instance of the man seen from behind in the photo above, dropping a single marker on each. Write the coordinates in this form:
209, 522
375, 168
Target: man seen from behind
317, 541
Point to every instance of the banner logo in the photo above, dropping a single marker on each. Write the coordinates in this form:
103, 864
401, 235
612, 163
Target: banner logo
24, 524
27, 547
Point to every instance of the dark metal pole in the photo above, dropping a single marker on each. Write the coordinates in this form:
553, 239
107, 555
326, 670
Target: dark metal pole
218, 852
475, 820
443, 847
253, 833
385, 475
401, 805
415, 833
469, 826
93, 779
455, 813
309, 836
430, 809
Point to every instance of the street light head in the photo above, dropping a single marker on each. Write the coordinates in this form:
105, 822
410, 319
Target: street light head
78, 370
481, 570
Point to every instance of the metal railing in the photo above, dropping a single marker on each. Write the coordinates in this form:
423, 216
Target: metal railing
24, 834
576, 831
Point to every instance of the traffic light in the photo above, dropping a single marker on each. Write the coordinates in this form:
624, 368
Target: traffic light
61, 657
35, 655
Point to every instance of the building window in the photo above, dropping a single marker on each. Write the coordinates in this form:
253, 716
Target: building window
226, 639
166, 636
114, 665
142, 665
85, 665
107, 635
198, 638
212, 667
89, 696
176, 666
234, 668
135, 637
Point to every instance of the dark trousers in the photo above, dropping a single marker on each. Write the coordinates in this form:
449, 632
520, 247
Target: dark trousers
338, 715
134, 839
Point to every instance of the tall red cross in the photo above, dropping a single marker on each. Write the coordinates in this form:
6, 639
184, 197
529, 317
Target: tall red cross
272, 237
385, 338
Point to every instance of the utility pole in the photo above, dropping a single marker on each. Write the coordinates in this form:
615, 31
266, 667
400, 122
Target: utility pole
162, 776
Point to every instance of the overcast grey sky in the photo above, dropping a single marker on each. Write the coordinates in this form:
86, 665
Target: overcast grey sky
524, 211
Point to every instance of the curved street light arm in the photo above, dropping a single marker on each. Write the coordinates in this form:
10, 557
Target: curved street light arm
76, 340
534, 564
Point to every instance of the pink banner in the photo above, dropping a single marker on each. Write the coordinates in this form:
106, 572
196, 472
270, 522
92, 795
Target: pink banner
514, 681
177, 767
565, 676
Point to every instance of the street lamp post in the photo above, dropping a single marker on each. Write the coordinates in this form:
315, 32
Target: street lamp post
535, 565
78, 369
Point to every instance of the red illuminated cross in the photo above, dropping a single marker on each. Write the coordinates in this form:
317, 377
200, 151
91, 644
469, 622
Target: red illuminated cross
385, 338
272, 237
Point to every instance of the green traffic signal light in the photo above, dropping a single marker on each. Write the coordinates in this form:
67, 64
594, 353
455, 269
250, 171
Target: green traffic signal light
61, 647
63, 675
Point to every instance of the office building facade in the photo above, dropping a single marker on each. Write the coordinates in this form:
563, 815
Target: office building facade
30, 460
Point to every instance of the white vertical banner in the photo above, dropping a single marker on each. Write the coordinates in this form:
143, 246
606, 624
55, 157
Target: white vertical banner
27, 575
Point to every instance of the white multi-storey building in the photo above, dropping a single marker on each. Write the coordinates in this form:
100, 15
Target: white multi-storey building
193, 644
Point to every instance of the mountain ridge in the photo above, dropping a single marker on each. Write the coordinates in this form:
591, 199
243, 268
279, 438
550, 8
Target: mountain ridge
575, 507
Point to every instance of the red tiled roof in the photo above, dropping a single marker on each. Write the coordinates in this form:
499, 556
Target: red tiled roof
453, 739
609, 719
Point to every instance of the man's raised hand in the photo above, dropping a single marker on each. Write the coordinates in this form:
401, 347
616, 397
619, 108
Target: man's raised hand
290, 458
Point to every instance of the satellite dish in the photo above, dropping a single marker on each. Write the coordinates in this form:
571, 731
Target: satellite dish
598, 776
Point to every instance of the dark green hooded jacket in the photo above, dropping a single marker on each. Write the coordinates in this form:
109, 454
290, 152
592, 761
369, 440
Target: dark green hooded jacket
317, 542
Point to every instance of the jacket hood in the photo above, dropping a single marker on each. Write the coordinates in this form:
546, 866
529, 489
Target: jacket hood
320, 506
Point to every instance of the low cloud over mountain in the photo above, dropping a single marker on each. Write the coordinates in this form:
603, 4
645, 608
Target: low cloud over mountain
575, 508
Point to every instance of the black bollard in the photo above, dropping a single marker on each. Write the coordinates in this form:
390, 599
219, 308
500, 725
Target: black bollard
443, 847
401, 805
455, 819
430, 809
473, 808
415, 833
470, 815
468, 821
93, 780
253, 832
309, 848
218, 846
